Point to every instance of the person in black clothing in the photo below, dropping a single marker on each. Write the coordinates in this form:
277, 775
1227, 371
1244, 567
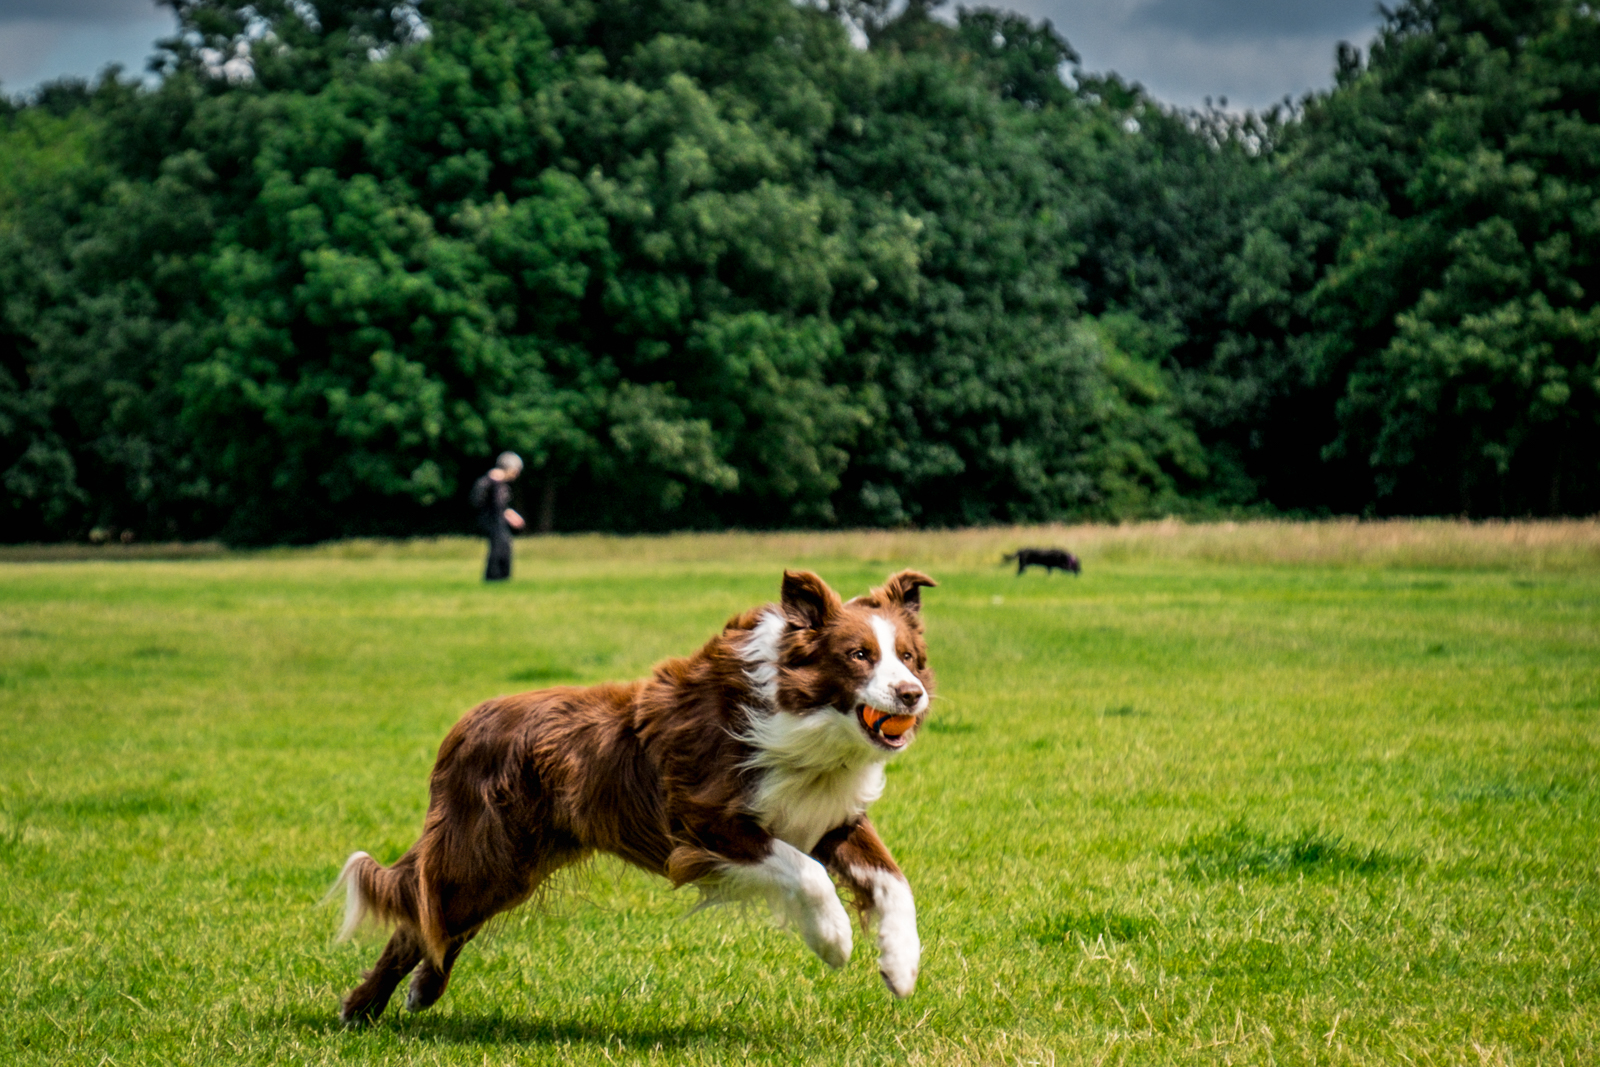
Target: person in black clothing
491, 496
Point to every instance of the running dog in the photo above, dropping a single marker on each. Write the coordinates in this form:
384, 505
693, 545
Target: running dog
745, 769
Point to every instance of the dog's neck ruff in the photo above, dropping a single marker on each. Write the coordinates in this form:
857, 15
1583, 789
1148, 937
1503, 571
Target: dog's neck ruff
815, 769
760, 655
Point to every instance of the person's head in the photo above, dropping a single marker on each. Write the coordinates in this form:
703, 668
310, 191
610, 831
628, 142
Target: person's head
510, 464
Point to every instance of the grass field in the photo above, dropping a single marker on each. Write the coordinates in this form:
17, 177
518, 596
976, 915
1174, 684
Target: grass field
1239, 794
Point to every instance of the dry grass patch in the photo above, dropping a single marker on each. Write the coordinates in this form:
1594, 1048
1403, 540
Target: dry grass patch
1533, 545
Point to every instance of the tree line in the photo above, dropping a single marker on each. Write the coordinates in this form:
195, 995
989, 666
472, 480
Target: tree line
751, 262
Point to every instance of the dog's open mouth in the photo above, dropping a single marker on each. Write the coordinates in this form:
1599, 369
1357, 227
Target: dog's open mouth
886, 728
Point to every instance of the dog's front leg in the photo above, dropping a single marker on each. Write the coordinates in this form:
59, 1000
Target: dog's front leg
799, 889
861, 861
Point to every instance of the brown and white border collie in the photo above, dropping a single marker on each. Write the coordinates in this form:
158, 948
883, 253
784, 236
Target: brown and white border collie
745, 769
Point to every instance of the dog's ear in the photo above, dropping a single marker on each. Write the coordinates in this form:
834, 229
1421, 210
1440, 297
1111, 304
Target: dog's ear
807, 600
905, 589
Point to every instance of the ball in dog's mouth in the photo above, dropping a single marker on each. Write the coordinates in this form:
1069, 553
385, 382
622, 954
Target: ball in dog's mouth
888, 728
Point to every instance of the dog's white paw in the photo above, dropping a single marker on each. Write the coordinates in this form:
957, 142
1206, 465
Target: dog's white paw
801, 894
899, 954
824, 924
899, 947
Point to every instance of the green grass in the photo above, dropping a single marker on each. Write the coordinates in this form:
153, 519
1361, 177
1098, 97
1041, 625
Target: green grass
1325, 794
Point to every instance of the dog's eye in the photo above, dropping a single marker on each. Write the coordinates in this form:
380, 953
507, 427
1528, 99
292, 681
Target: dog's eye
861, 654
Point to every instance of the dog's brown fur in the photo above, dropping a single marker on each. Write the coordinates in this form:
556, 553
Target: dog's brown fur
660, 772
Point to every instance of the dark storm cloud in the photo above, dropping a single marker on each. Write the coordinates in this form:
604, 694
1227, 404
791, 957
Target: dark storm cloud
100, 11
1235, 19
1254, 52
41, 40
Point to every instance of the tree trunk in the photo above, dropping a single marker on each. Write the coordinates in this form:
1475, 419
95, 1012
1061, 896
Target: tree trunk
547, 507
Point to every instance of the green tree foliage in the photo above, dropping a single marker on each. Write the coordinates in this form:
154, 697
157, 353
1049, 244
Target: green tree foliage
1003, 401
699, 263
89, 264
1427, 275
1165, 196
706, 262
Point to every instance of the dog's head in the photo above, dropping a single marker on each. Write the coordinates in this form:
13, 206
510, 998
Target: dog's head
864, 659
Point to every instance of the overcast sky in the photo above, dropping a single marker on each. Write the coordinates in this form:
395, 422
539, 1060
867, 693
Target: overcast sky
1254, 52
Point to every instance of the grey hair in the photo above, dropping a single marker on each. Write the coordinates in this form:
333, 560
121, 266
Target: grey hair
509, 462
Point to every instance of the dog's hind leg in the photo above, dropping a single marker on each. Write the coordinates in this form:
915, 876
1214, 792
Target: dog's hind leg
366, 1001
471, 906
430, 979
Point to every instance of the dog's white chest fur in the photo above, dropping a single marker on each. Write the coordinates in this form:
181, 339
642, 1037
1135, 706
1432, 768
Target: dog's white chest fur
815, 769
801, 794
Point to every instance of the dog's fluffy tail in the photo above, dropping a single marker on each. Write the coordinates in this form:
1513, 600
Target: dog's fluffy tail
373, 891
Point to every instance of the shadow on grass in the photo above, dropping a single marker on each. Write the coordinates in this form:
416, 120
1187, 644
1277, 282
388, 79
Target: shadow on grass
1495, 792
1236, 850
545, 676
175, 800
497, 1028
949, 726
1088, 927
553, 668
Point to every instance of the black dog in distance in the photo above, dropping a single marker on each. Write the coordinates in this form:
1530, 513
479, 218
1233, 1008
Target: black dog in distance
1051, 559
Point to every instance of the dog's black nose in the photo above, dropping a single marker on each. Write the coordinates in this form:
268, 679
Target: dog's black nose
908, 694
